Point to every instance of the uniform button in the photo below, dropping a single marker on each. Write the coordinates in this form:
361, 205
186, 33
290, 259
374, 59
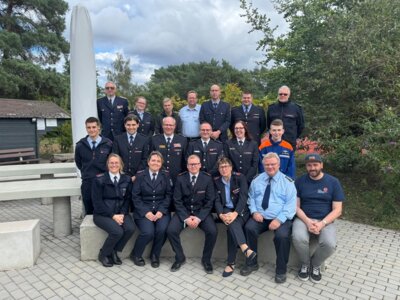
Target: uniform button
240, 156
168, 155
154, 191
240, 162
167, 168
154, 196
240, 168
167, 161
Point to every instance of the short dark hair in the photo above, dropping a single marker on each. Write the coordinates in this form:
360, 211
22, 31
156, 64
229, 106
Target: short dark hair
156, 153
131, 117
92, 120
277, 122
246, 130
224, 160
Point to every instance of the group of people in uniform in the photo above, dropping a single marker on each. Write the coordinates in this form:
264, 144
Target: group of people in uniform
181, 169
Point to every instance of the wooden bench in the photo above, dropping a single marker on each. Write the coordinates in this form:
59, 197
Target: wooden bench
61, 190
18, 156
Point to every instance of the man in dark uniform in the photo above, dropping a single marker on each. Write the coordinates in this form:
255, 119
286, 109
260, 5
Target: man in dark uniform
112, 110
172, 147
91, 154
253, 115
133, 147
207, 149
290, 113
168, 111
217, 113
194, 197
146, 125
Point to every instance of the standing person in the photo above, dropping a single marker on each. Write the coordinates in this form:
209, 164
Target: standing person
190, 117
146, 120
272, 203
242, 151
290, 113
132, 146
319, 204
151, 195
168, 111
172, 147
112, 110
252, 115
194, 198
231, 207
111, 198
91, 154
284, 149
217, 113
207, 149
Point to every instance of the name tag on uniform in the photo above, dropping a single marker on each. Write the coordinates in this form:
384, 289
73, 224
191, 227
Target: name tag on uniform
161, 146
247, 153
178, 145
236, 191
120, 106
201, 192
138, 151
196, 151
232, 148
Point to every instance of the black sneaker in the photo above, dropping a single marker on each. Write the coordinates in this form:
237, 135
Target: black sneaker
304, 273
315, 275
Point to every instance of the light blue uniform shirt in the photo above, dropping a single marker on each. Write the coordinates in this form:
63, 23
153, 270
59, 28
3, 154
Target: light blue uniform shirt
282, 200
89, 140
227, 185
190, 121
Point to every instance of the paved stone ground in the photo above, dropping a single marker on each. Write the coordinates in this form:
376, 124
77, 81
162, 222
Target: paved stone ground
365, 266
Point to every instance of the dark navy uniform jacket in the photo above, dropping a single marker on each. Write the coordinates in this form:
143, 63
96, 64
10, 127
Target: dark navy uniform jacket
160, 117
208, 157
254, 119
219, 118
244, 158
92, 162
135, 156
108, 199
174, 156
239, 194
293, 119
149, 197
194, 201
146, 126
112, 117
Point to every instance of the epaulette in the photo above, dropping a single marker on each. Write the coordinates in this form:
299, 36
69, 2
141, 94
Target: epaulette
257, 176
217, 141
140, 172
100, 175
208, 174
216, 178
122, 97
236, 173
288, 178
185, 172
164, 171
141, 134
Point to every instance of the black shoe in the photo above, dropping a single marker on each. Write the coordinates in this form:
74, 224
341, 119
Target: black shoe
115, 259
248, 269
105, 260
139, 261
155, 261
304, 273
315, 274
229, 273
177, 265
280, 278
207, 267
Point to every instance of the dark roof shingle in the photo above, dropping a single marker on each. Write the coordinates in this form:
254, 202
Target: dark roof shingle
16, 108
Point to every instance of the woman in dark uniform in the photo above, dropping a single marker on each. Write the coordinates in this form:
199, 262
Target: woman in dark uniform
242, 151
232, 209
111, 199
151, 195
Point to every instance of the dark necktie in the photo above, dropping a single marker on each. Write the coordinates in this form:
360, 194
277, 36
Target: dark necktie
205, 146
93, 145
267, 192
241, 143
215, 105
115, 181
168, 142
131, 140
110, 99
153, 180
193, 180
246, 109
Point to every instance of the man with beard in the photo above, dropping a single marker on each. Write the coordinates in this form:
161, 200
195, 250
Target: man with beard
319, 204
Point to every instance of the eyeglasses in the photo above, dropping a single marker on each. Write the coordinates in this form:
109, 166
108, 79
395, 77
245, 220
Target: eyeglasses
239, 128
282, 94
224, 166
205, 129
193, 165
110, 88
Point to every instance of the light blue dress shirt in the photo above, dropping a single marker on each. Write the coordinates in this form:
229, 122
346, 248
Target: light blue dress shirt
89, 140
227, 185
282, 200
190, 121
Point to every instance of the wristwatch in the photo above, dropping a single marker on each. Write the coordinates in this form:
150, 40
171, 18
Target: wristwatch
323, 221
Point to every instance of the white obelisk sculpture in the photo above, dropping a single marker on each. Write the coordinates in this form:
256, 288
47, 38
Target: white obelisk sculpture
82, 72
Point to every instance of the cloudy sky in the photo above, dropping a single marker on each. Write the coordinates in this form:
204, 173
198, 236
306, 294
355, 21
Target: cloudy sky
156, 33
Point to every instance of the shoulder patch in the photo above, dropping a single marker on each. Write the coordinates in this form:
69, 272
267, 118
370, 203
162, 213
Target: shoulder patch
288, 178
183, 173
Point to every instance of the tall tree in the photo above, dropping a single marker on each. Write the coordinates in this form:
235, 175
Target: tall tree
31, 42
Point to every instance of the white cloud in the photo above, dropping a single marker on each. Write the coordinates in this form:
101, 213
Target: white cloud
158, 33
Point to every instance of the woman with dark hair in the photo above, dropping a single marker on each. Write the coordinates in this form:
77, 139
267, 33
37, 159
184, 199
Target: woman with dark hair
151, 195
231, 207
242, 151
111, 199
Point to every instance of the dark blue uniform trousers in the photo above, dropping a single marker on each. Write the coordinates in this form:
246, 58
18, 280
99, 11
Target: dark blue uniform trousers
281, 240
118, 235
207, 225
151, 231
86, 191
235, 234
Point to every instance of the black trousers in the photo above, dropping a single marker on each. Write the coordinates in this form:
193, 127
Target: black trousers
207, 225
86, 191
118, 235
281, 240
151, 231
235, 235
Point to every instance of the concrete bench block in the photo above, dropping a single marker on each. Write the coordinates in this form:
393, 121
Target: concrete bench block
19, 244
92, 238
